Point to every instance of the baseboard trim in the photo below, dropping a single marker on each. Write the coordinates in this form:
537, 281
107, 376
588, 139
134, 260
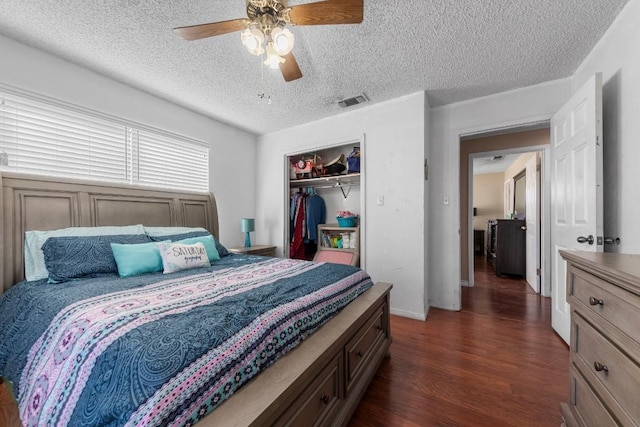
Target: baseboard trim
408, 314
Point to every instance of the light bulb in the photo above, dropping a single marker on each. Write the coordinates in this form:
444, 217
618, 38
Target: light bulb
252, 38
273, 59
282, 40
251, 43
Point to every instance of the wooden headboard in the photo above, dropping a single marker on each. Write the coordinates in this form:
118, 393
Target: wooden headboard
32, 202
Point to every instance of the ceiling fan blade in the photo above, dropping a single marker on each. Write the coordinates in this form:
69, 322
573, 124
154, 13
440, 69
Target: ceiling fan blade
290, 69
196, 32
329, 12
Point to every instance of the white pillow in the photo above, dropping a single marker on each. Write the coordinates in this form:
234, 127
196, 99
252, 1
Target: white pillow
180, 256
34, 268
170, 231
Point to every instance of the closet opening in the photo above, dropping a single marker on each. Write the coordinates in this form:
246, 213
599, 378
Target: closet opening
324, 197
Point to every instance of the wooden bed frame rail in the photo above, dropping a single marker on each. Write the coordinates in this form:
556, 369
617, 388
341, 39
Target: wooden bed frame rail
321, 382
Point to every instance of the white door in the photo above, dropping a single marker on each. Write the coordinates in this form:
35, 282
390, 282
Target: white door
531, 220
576, 189
508, 198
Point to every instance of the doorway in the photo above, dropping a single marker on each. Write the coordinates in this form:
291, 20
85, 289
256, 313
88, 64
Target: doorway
505, 190
512, 141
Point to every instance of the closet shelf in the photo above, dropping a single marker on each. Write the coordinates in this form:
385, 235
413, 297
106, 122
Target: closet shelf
352, 178
335, 181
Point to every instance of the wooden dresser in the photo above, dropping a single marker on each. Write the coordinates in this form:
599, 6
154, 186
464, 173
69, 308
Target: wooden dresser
604, 292
9, 416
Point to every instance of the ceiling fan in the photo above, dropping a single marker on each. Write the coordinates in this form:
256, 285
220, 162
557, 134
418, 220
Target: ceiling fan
265, 29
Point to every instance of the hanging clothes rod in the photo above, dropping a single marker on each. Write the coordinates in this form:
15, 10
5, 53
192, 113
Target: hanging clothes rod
338, 184
341, 186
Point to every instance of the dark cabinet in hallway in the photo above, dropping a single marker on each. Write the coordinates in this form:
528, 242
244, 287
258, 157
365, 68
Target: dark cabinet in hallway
508, 246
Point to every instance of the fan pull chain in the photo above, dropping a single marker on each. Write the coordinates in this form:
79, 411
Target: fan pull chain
263, 95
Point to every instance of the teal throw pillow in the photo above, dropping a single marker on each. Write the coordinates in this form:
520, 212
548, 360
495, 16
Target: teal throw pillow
133, 260
209, 244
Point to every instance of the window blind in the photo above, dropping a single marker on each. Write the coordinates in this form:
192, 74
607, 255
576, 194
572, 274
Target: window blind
42, 137
166, 162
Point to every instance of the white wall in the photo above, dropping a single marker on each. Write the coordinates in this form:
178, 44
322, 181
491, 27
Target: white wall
232, 155
488, 198
393, 155
617, 56
527, 105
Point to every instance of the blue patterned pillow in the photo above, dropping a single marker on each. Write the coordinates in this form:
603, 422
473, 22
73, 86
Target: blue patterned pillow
69, 258
222, 251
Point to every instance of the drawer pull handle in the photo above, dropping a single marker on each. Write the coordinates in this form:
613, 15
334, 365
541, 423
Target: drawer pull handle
600, 367
378, 327
595, 301
325, 399
359, 353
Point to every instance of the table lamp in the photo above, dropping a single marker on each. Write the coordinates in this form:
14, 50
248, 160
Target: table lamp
247, 225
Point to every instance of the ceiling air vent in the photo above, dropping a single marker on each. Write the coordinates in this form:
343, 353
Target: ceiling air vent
359, 99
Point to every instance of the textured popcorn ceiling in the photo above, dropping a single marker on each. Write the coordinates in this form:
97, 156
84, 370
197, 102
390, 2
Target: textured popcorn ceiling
484, 165
452, 49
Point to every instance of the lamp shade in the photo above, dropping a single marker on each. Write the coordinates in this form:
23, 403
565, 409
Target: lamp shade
247, 225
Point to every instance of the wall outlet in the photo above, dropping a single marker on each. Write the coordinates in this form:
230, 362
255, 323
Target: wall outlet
380, 201
445, 200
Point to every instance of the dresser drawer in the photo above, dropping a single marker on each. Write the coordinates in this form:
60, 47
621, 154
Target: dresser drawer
359, 348
604, 364
617, 306
314, 406
586, 408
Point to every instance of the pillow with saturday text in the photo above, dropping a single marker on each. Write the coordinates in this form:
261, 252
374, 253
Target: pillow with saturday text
180, 256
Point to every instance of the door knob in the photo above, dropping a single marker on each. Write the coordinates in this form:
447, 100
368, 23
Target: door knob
588, 240
611, 240
524, 227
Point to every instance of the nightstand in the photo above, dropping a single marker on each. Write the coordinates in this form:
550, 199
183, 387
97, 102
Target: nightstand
263, 250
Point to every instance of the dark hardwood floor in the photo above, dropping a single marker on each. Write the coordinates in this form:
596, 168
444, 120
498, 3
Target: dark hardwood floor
497, 362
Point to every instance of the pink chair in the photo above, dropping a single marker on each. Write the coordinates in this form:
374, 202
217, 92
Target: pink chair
336, 257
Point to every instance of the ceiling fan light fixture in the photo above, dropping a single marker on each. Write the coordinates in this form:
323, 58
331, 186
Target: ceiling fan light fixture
273, 59
259, 3
283, 40
252, 38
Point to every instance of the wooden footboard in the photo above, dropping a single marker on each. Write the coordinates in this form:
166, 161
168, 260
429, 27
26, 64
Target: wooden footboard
321, 382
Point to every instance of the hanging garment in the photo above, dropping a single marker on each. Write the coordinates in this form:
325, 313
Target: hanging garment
316, 214
296, 249
292, 214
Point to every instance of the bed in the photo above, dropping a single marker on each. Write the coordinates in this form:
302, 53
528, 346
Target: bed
318, 382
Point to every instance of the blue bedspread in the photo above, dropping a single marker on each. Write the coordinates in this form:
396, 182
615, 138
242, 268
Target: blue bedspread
160, 349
